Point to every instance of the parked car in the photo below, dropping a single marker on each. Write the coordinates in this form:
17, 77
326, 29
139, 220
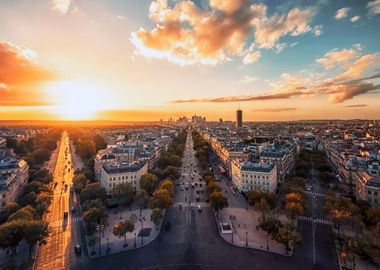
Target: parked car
78, 249
199, 208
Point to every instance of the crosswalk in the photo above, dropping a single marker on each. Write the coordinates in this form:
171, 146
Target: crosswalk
315, 193
191, 205
317, 220
59, 223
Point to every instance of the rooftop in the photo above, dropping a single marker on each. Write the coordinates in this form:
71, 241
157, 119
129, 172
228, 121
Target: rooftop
257, 167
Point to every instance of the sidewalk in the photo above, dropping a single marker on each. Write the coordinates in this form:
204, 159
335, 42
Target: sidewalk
245, 234
145, 232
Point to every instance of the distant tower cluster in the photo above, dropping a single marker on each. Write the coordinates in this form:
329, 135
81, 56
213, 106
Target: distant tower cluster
239, 118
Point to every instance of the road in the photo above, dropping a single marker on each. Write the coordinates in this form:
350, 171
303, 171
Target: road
193, 242
58, 253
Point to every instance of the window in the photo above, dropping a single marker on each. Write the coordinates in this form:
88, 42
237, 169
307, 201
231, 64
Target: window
4, 195
375, 193
369, 192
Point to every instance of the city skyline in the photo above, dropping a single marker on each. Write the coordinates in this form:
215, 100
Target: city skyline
151, 60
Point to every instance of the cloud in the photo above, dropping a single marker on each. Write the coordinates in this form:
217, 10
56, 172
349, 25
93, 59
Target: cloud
243, 98
19, 72
268, 30
341, 13
18, 66
359, 66
348, 91
355, 18
356, 79
356, 106
317, 30
187, 34
62, 6
251, 57
337, 57
275, 110
374, 7
249, 79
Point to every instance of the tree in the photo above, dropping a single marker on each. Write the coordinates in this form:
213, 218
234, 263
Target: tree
171, 172
25, 213
255, 196
339, 209
149, 182
156, 216
294, 206
8, 210
293, 210
93, 191
124, 193
43, 201
94, 217
79, 182
270, 225
287, 236
168, 185
373, 215
161, 199
97, 203
11, 234
120, 231
35, 231
142, 198
218, 201
212, 186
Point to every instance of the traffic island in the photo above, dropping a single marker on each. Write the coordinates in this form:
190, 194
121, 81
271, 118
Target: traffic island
105, 242
239, 227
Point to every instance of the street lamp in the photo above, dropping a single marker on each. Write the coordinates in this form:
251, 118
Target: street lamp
232, 230
107, 246
142, 230
246, 239
98, 228
135, 240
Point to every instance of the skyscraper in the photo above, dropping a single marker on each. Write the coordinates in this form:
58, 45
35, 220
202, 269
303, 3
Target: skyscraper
239, 118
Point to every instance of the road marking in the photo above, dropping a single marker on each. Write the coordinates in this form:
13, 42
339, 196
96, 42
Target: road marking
317, 220
191, 205
315, 193
59, 223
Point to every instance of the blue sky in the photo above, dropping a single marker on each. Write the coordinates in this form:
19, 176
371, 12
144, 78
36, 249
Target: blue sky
152, 59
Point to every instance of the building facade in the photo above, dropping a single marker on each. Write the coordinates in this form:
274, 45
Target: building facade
247, 176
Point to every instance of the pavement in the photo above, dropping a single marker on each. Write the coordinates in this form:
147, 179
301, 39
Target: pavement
245, 233
65, 231
145, 232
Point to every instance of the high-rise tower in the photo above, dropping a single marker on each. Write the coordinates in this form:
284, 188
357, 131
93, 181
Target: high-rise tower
239, 118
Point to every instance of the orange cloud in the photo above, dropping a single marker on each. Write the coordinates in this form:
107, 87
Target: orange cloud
19, 73
185, 34
341, 13
336, 57
18, 66
344, 86
275, 110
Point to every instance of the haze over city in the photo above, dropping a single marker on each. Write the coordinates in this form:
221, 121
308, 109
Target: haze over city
147, 60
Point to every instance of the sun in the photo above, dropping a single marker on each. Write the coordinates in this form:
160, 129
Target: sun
76, 100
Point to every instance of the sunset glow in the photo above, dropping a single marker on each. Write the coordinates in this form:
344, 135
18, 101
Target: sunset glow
153, 59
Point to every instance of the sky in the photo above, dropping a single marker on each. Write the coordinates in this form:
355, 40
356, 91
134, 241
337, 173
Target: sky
144, 60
